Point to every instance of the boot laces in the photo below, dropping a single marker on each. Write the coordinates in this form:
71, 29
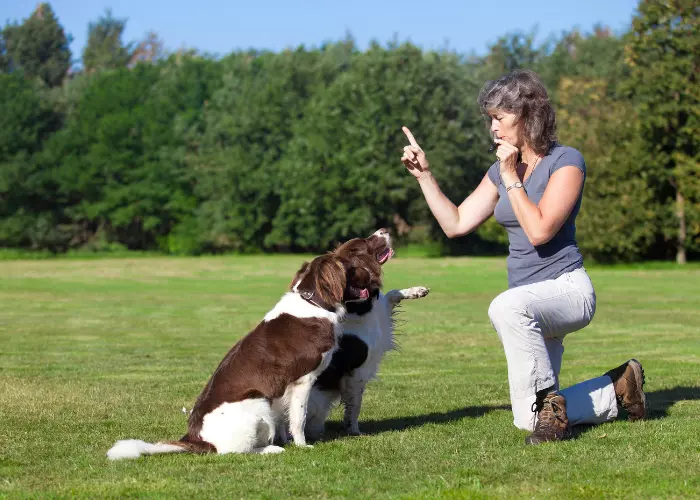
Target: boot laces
540, 407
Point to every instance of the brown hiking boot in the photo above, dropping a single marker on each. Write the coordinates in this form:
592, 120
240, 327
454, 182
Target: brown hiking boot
628, 380
552, 422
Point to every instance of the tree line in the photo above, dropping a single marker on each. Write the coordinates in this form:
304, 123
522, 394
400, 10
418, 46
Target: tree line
187, 153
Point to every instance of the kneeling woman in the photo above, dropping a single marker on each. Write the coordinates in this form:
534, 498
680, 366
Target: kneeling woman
534, 190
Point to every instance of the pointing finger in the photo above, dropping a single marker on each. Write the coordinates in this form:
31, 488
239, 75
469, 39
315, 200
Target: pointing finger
411, 139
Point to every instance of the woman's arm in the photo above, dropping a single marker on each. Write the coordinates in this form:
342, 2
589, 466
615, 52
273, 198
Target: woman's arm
542, 221
471, 213
454, 221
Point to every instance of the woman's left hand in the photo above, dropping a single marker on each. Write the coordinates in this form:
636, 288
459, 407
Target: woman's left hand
508, 155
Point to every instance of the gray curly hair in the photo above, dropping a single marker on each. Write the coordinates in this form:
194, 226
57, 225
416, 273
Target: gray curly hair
522, 93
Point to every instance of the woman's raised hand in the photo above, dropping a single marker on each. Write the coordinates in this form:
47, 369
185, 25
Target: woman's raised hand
414, 157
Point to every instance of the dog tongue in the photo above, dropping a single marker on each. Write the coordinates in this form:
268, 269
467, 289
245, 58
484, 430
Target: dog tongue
364, 293
384, 256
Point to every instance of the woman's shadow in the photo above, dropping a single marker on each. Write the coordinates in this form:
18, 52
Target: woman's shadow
659, 402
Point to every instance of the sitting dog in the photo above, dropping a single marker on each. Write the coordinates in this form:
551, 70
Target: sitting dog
368, 334
269, 372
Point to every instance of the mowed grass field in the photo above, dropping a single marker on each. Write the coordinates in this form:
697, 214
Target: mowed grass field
98, 350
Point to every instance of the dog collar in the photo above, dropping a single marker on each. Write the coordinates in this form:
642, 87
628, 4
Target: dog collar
308, 296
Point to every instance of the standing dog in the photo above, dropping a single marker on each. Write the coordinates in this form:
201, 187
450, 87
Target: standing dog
368, 334
271, 370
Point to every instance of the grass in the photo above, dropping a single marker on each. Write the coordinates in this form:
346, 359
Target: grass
98, 350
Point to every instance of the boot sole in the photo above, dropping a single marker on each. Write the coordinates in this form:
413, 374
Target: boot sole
639, 376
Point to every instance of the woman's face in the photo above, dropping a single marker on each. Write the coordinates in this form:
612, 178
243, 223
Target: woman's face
505, 127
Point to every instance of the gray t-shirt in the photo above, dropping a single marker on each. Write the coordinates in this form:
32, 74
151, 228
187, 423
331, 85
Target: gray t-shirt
527, 263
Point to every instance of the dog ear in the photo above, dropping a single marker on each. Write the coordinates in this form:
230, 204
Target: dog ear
299, 273
331, 278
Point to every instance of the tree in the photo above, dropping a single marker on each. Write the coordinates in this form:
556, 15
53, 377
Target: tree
617, 221
151, 49
27, 198
39, 47
663, 52
341, 175
598, 56
104, 49
250, 121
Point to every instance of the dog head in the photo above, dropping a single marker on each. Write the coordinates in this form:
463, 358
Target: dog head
378, 245
370, 254
330, 281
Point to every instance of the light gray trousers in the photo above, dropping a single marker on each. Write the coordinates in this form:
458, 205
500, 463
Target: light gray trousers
531, 321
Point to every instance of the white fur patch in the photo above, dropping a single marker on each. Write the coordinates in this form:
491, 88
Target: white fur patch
292, 304
243, 427
134, 448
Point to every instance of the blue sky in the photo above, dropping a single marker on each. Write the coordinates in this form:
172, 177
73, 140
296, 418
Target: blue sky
220, 26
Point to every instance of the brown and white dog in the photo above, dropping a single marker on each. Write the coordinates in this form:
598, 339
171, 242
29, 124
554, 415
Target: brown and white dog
368, 334
269, 373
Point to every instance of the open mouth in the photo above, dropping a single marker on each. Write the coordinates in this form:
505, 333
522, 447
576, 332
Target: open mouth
385, 255
360, 294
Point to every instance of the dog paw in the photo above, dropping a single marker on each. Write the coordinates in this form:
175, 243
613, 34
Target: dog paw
415, 292
268, 450
355, 433
303, 445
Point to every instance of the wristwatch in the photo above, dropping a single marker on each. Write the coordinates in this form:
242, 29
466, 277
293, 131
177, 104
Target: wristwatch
516, 185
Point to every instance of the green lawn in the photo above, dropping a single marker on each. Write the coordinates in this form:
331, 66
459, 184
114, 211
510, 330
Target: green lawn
99, 350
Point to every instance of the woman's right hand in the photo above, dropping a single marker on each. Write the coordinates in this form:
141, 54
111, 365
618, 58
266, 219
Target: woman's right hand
414, 157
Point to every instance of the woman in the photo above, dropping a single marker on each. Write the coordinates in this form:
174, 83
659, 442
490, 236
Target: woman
534, 190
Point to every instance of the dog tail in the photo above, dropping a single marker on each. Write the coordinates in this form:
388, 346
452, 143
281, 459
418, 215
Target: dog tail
134, 448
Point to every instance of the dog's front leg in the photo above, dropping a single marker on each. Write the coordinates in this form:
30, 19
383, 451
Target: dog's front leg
279, 410
298, 403
394, 297
351, 392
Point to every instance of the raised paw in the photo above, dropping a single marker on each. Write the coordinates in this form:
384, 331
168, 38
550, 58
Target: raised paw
415, 292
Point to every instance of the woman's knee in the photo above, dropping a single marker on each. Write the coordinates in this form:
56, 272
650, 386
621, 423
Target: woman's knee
505, 306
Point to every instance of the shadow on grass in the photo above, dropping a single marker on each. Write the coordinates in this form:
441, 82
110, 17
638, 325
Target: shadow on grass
659, 402
335, 429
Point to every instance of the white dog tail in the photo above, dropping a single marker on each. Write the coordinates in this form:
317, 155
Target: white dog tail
134, 448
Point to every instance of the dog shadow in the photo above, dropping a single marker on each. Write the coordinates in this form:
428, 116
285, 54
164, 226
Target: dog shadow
334, 429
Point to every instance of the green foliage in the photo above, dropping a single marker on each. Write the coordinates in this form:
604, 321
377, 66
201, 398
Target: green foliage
25, 191
663, 53
249, 124
340, 176
618, 217
38, 47
294, 151
104, 48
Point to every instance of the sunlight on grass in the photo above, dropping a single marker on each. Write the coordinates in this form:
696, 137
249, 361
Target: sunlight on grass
99, 350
